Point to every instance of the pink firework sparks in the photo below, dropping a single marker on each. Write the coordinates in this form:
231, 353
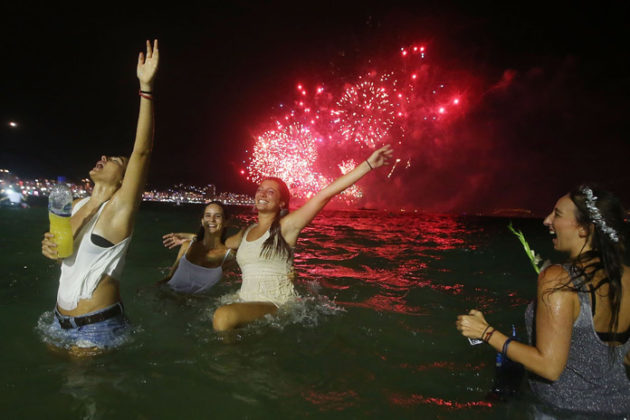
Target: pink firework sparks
287, 152
326, 125
347, 165
364, 113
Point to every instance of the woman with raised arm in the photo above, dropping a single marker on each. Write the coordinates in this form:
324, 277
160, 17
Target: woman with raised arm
265, 249
201, 260
89, 312
579, 325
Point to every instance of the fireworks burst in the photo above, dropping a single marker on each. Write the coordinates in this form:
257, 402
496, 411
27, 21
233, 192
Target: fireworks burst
364, 114
328, 124
346, 166
287, 152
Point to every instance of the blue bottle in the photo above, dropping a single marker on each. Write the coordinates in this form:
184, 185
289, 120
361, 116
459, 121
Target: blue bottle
508, 375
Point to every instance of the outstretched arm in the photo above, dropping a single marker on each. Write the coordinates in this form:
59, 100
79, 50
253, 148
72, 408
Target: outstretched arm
127, 199
171, 240
234, 241
556, 311
294, 222
182, 250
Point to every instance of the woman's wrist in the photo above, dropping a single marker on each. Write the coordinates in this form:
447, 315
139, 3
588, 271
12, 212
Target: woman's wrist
369, 164
147, 87
487, 333
483, 334
146, 94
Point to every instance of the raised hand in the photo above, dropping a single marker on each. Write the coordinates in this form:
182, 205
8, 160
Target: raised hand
381, 156
147, 66
172, 240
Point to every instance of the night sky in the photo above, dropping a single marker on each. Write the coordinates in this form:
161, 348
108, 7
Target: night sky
547, 107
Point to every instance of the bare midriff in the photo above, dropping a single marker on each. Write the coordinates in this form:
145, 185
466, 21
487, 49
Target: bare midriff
107, 293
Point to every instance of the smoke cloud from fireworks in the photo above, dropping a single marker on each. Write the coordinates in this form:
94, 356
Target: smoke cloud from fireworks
463, 143
524, 140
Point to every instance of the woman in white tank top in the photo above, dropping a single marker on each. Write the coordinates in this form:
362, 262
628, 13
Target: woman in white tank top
89, 314
201, 260
265, 249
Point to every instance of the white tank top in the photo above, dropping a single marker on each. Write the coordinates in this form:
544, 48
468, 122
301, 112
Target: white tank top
82, 271
192, 278
264, 279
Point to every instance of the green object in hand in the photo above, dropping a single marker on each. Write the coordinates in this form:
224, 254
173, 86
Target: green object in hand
533, 258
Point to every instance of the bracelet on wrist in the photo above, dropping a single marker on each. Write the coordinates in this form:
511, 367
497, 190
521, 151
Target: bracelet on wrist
505, 346
146, 94
368, 162
483, 334
487, 337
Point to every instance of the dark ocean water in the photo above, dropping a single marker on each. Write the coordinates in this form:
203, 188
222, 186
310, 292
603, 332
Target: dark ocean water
373, 337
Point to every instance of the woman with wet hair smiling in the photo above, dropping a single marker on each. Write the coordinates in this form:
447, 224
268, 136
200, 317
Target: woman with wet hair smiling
579, 325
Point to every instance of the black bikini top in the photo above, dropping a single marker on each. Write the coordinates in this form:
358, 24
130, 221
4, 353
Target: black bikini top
100, 241
607, 336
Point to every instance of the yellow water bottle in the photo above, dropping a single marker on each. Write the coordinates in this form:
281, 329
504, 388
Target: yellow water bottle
59, 212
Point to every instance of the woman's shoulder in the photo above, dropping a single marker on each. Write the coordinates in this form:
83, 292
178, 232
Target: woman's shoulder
555, 288
554, 276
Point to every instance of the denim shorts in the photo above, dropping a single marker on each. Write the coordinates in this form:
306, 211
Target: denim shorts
105, 334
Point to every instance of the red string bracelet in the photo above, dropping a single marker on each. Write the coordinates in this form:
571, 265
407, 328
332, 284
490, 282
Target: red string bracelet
487, 337
145, 94
484, 331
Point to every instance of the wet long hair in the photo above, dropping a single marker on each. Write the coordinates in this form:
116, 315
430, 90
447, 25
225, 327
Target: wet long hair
275, 244
606, 255
201, 232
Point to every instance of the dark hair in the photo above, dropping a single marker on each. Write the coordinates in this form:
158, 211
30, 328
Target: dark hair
275, 244
606, 254
226, 216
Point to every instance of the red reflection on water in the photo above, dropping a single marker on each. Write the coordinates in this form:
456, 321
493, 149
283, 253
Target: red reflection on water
415, 399
401, 278
489, 304
333, 400
516, 301
451, 366
383, 255
382, 303
454, 289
